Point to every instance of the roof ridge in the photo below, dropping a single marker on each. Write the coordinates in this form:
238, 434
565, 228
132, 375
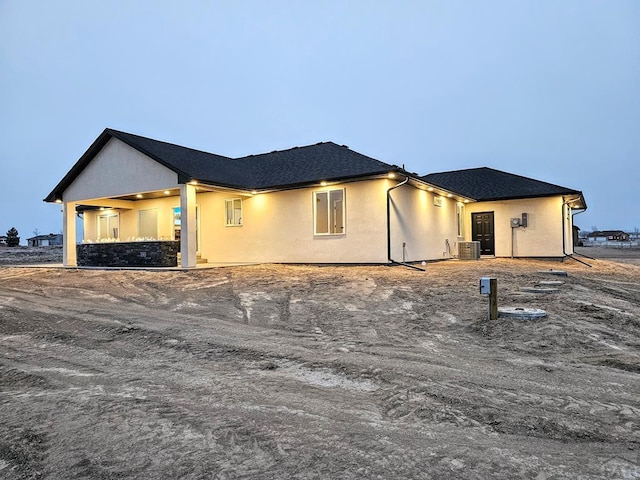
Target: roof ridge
462, 170
297, 147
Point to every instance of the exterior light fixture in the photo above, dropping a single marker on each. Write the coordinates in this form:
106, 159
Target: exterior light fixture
166, 192
449, 195
58, 200
430, 189
139, 195
193, 182
323, 183
391, 175
254, 192
466, 201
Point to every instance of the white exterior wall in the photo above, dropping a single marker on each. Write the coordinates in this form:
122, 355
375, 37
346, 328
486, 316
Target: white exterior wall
541, 238
278, 227
119, 169
429, 231
568, 230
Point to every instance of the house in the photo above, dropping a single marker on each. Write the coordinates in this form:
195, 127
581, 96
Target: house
3, 241
325, 203
49, 240
608, 236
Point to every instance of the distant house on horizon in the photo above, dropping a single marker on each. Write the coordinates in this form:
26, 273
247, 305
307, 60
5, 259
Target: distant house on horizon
608, 236
50, 240
321, 203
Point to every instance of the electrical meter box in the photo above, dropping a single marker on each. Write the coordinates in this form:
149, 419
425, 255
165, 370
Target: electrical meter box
515, 222
485, 286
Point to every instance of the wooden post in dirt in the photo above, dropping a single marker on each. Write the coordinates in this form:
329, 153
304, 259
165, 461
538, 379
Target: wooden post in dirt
489, 286
493, 299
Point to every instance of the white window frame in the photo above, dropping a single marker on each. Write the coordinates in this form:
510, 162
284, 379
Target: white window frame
460, 219
108, 216
328, 213
235, 220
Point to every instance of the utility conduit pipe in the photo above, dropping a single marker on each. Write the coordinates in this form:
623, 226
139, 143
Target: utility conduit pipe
390, 260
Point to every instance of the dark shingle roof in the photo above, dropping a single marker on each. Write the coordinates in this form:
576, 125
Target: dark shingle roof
299, 165
278, 169
485, 184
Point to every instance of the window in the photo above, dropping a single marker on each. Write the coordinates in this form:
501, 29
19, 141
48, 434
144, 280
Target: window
148, 223
233, 211
460, 219
108, 226
328, 212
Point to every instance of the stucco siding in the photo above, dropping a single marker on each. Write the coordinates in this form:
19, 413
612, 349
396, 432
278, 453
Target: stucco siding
278, 227
119, 169
541, 238
429, 232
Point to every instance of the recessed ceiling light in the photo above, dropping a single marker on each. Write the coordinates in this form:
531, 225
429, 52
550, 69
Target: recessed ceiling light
430, 189
391, 175
323, 183
166, 192
139, 195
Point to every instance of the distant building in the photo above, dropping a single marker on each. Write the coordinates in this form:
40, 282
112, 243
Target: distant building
576, 236
45, 240
3, 241
608, 236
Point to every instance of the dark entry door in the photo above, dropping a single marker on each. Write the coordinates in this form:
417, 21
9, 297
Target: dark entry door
482, 231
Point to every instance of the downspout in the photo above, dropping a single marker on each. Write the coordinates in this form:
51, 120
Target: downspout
564, 236
389, 259
575, 253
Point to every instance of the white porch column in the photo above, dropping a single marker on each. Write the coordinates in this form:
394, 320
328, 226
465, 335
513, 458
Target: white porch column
188, 226
69, 234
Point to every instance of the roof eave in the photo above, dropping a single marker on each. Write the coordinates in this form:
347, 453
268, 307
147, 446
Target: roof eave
432, 187
331, 180
524, 197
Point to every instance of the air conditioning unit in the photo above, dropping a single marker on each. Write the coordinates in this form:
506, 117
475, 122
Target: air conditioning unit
469, 250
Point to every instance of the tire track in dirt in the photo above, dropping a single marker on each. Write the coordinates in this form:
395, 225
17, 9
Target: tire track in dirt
380, 372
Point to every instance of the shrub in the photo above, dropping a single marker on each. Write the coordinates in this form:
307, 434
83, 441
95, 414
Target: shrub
13, 240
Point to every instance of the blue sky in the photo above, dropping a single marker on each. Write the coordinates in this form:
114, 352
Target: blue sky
545, 89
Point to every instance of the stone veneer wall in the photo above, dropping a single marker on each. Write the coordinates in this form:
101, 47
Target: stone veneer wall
129, 254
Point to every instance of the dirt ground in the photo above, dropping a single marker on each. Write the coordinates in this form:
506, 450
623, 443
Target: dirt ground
320, 372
